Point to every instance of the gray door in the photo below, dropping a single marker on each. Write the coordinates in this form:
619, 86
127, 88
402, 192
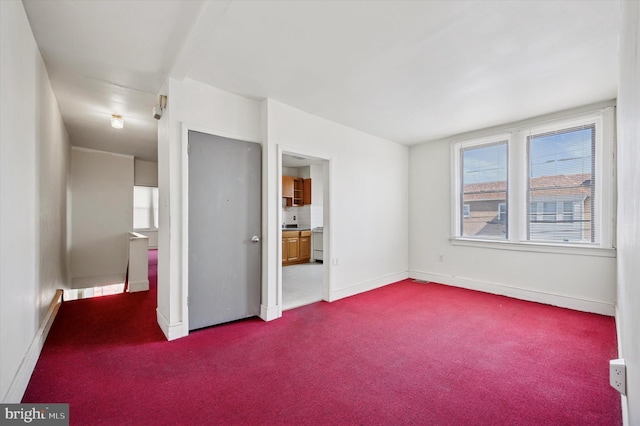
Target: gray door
224, 218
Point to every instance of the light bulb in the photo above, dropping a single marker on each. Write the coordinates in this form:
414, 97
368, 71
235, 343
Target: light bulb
117, 122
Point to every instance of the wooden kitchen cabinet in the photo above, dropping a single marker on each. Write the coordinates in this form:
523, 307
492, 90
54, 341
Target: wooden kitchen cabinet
287, 187
305, 245
306, 194
296, 247
293, 249
285, 252
296, 191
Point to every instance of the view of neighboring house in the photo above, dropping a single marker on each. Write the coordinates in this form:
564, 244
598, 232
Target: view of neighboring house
559, 209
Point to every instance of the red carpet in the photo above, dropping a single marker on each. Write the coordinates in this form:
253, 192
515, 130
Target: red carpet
408, 353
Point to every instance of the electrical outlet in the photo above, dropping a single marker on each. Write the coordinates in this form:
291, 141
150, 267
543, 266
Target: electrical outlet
618, 375
336, 261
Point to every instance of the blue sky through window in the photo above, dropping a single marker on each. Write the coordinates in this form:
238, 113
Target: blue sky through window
486, 163
564, 153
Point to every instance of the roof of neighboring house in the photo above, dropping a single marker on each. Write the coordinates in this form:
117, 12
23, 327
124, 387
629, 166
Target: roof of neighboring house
569, 185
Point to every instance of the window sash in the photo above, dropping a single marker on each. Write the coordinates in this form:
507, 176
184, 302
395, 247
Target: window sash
145, 207
483, 220
518, 208
553, 190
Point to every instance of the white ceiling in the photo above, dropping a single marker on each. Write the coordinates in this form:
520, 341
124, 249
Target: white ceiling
409, 71
106, 57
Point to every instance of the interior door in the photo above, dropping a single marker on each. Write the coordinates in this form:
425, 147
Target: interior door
224, 229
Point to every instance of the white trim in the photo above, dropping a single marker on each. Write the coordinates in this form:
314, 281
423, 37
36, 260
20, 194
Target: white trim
138, 286
327, 168
171, 331
27, 366
367, 286
98, 280
518, 126
456, 175
269, 313
586, 250
496, 139
518, 161
606, 178
218, 132
184, 259
548, 298
184, 208
602, 231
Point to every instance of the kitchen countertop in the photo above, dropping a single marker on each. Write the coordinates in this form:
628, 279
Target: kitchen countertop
296, 229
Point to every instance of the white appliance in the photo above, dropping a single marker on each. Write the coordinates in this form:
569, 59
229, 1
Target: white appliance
317, 244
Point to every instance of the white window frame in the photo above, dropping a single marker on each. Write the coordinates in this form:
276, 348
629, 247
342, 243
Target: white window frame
155, 208
457, 177
517, 180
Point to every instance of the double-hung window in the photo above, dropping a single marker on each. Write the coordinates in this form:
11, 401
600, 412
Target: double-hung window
483, 189
561, 179
145, 207
536, 185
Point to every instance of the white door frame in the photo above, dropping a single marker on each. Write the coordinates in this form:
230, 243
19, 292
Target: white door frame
326, 217
184, 252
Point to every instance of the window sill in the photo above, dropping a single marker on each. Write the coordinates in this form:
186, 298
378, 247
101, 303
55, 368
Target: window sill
536, 247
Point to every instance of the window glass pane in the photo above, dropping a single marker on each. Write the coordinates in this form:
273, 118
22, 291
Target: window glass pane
484, 190
145, 207
502, 211
561, 179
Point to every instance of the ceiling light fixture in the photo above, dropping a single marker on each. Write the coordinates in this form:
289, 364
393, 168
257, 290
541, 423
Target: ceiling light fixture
117, 122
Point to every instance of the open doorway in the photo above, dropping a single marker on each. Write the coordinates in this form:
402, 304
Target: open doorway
304, 214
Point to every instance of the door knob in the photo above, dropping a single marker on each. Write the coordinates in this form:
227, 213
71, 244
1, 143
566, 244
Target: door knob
255, 239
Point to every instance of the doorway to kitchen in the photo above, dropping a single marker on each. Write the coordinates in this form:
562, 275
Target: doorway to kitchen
304, 216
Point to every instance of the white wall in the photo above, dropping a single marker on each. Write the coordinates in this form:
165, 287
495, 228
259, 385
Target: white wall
208, 109
629, 206
368, 187
145, 173
34, 158
569, 280
371, 252
102, 216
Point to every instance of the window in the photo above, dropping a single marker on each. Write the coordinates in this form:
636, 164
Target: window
502, 212
548, 184
145, 207
483, 190
561, 177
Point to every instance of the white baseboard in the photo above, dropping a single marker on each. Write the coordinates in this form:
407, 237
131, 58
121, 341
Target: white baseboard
98, 280
270, 313
138, 286
564, 301
171, 331
23, 375
366, 286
